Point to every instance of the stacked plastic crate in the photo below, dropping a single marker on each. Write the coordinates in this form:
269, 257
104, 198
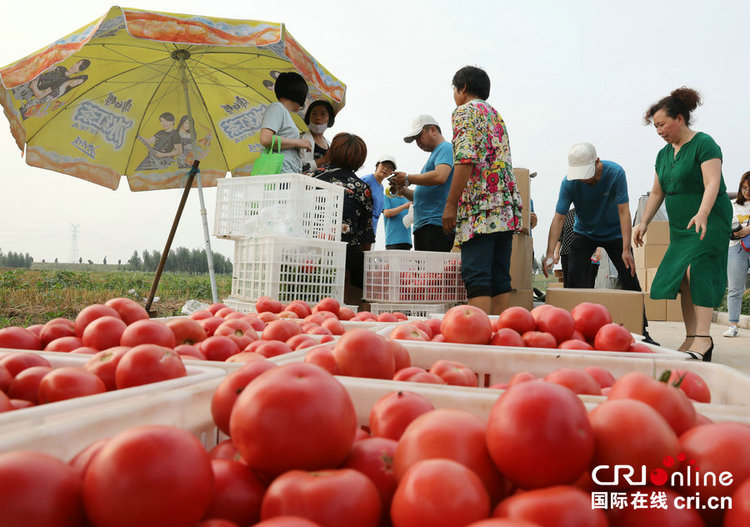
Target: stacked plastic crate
287, 232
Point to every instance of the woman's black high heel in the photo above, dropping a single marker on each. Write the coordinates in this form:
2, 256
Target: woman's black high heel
706, 355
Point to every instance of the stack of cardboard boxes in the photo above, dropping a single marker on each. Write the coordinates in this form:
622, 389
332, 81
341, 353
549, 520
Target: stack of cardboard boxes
521, 256
647, 260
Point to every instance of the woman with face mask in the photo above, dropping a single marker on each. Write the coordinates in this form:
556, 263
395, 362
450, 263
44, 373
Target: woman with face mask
319, 118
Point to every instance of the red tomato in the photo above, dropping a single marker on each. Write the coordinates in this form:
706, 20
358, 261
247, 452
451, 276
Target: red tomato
268, 304
539, 339
345, 313
267, 316
521, 376
15, 337
612, 337
36, 329
455, 373
629, 432
366, 315
128, 309
90, 313
516, 318
373, 457
85, 350
5, 403
299, 307
64, 344
589, 318
56, 328
201, 314
331, 498
314, 329
539, 435
245, 356
148, 476
240, 331
80, 462
426, 377
387, 317
148, 332
189, 352
393, 412
226, 450
213, 308
450, 434
281, 330
669, 401
323, 356
334, 325
186, 330
210, 324
148, 363
538, 310
408, 331
230, 388
401, 355
639, 347
25, 385
273, 348
300, 341
667, 517
578, 381
575, 344
217, 522
296, 416
404, 373
602, 376
237, 493
218, 348
557, 506
502, 522
5, 379
104, 364
329, 304
558, 322
363, 353
507, 337
20, 360
287, 521
104, 332
466, 325
739, 514
692, 384
434, 325
69, 382
439, 493
38, 490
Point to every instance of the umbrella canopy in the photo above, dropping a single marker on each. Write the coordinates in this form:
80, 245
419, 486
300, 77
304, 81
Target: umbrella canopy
118, 96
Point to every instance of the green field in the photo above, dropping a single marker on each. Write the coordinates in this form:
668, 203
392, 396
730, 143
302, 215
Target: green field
34, 296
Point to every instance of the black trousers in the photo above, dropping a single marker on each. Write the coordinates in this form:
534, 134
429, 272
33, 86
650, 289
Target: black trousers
579, 263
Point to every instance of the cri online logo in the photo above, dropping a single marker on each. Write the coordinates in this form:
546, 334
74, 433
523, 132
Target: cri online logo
689, 476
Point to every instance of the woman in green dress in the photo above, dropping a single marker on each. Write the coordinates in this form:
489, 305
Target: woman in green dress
688, 177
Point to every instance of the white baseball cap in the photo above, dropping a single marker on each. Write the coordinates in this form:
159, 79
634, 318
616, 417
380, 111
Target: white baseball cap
581, 161
418, 124
390, 159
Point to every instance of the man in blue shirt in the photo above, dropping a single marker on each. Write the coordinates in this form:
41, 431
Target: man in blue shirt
383, 168
599, 191
397, 235
432, 185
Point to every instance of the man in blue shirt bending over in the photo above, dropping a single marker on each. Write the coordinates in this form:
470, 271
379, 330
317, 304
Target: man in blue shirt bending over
599, 191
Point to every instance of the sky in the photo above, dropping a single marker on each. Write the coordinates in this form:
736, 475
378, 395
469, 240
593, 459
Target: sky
561, 73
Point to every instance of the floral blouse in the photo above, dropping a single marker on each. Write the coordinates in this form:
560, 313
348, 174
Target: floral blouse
356, 228
490, 201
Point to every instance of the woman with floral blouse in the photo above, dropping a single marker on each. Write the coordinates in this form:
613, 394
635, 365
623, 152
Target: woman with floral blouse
483, 205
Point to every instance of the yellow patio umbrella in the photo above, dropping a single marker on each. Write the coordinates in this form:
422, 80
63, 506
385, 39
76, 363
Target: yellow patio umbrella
145, 94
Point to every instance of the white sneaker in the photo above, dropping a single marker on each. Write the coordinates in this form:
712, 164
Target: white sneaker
731, 332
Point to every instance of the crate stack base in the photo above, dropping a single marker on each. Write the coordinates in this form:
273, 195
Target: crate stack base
413, 277
288, 269
411, 310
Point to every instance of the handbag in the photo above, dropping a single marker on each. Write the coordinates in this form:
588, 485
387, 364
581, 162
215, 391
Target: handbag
745, 242
269, 161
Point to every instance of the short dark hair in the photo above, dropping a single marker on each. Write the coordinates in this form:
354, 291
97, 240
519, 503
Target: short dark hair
681, 101
475, 80
84, 64
167, 116
347, 151
292, 86
329, 109
740, 196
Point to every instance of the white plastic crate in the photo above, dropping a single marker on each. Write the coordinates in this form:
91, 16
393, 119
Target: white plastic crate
244, 306
413, 276
290, 204
411, 310
45, 414
288, 269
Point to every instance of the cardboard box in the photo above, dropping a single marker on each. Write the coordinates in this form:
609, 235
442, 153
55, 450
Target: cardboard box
656, 310
626, 307
649, 256
657, 233
558, 273
522, 298
641, 274
650, 275
674, 309
554, 284
520, 262
524, 188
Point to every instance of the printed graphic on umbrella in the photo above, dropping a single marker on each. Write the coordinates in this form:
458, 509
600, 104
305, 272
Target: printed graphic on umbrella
144, 94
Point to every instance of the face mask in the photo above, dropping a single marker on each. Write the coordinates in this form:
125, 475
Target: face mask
318, 128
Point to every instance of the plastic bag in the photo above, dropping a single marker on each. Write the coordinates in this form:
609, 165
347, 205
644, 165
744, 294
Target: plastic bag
274, 220
408, 219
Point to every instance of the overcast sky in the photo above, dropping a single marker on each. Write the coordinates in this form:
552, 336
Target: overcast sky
562, 72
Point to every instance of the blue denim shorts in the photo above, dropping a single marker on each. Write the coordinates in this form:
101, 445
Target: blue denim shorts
485, 264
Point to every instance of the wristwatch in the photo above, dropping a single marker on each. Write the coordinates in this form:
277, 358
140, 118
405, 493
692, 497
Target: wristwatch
406, 180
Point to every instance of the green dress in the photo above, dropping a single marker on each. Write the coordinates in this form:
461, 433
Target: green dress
681, 181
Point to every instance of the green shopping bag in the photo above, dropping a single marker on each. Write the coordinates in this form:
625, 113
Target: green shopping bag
269, 161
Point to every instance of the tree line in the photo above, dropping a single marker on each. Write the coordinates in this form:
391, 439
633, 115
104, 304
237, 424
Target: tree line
179, 260
15, 260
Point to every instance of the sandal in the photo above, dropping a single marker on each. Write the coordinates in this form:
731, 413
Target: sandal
706, 355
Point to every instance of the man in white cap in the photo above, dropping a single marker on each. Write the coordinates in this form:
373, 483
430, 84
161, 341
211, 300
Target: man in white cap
599, 192
431, 185
383, 168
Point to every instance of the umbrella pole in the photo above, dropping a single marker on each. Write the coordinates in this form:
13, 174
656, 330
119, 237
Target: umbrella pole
168, 245
207, 237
